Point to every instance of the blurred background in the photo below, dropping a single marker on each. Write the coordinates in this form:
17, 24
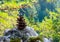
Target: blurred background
42, 15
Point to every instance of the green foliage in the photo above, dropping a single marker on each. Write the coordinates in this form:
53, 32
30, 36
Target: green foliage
35, 39
49, 27
15, 40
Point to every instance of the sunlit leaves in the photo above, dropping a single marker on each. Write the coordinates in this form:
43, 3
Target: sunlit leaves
3, 15
7, 21
48, 27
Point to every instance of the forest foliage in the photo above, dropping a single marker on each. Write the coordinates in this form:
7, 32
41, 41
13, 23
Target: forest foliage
42, 15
